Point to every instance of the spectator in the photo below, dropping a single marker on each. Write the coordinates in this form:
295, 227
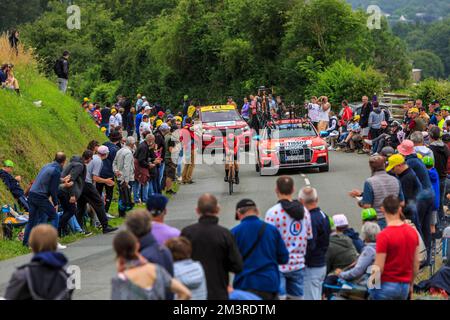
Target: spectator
411, 186
434, 178
313, 111
377, 188
13, 184
416, 123
419, 145
441, 155
397, 257
3, 74
425, 199
14, 41
137, 279
107, 172
262, 250
324, 117
214, 246
188, 272
139, 223
123, 168
369, 233
347, 114
144, 126
145, 164
289, 217
90, 193
119, 117
44, 278
139, 103
106, 114
157, 206
366, 109
352, 234
376, 117
61, 69
160, 141
171, 160
187, 137
43, 196
131, 122
112, 120
341, 252
317, 247
145, 102
68, 197
245, 111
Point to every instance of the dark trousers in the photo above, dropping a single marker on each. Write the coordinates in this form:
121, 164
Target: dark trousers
23, 203
442, 191
425, 209
109, 194
69, 210
265, 295
125, 199
41, 210
90, 195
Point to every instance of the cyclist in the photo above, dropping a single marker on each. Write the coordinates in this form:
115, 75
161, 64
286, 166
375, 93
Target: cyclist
231, 147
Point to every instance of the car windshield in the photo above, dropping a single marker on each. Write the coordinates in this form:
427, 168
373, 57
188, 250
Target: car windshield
218, 116
290, 131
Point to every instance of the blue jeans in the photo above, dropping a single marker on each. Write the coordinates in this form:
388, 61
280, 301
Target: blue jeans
314, 278
41, 210
442, 191
140, 190
162, 167
390, 291
292, 283
152, 188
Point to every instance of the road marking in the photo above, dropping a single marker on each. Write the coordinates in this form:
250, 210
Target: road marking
307, 182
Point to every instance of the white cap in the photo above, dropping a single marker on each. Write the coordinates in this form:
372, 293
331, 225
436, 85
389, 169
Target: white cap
103, 150
147, 108
340, 220
144, 98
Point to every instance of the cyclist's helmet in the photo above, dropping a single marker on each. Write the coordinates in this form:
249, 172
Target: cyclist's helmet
369, 214
428, 162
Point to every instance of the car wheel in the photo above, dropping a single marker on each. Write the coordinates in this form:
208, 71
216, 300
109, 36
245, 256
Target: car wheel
324, 168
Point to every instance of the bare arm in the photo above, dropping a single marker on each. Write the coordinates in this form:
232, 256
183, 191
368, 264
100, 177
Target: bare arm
380, 260
180, 290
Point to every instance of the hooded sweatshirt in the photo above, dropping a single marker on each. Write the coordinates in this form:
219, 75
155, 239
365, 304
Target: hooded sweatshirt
434, 177
375, 118
441, 155
341, 252
294, 224
77, 171
191, 274
42, 279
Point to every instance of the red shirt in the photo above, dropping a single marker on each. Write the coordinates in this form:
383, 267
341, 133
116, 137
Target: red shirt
347, 115
399, 243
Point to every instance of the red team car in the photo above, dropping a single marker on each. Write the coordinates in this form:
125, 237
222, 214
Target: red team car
290, 144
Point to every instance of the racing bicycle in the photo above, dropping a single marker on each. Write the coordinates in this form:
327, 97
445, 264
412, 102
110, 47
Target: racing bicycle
231, 171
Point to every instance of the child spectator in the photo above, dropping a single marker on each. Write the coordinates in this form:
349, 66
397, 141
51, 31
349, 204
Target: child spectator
44, 278
189, 272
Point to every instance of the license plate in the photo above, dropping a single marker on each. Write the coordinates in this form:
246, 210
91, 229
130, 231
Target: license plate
295, 158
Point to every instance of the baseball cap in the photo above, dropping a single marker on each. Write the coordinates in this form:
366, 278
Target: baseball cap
86, 99
147, 108
8, 164
103, 150
446, 108
406, 148
369, 214
156, 204
159, 123
413, 110
161, 114
178, 118
395, 160
357, 117
244, 203
144, 98
340, 220
387, 152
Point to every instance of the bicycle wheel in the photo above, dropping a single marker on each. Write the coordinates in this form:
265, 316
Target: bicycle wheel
231, 180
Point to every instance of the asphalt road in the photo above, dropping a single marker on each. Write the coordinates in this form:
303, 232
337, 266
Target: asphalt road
94, 255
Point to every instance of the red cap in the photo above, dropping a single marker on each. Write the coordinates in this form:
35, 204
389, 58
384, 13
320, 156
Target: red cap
160, 114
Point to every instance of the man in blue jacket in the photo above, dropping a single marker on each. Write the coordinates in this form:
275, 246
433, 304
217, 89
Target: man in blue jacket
45, 186
315, 261
13, 184
262, 249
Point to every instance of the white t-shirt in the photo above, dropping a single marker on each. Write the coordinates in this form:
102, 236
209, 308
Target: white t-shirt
145, 126
324, 115
313, 112
118, 120
295, 235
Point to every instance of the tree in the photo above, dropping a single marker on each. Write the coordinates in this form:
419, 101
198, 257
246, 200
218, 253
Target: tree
430, 63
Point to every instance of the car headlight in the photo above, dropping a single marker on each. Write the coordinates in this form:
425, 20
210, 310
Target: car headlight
320, 148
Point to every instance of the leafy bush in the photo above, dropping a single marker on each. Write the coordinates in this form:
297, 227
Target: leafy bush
429, 62
344, 80
431, 89
106, 92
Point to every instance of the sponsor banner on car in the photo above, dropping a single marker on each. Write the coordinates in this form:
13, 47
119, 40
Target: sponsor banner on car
217, 108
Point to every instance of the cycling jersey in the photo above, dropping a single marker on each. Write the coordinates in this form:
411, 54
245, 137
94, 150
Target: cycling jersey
227, 145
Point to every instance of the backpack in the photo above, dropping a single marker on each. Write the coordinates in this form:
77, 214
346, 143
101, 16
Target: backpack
57, 67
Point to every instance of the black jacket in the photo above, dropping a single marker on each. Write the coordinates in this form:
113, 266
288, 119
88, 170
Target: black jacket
12, 184
216, 249
62, 68
42, 279
441, 154
365, 113
145, 156
77, 170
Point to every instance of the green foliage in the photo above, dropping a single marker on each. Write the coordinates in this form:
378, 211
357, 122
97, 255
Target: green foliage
430, 63
431, 89
13, 12
209, 49
106, 92
344, 80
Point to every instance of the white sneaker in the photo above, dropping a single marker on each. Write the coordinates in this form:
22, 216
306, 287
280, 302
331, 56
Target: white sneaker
331, 149
369, 142
110, 216
61, 247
